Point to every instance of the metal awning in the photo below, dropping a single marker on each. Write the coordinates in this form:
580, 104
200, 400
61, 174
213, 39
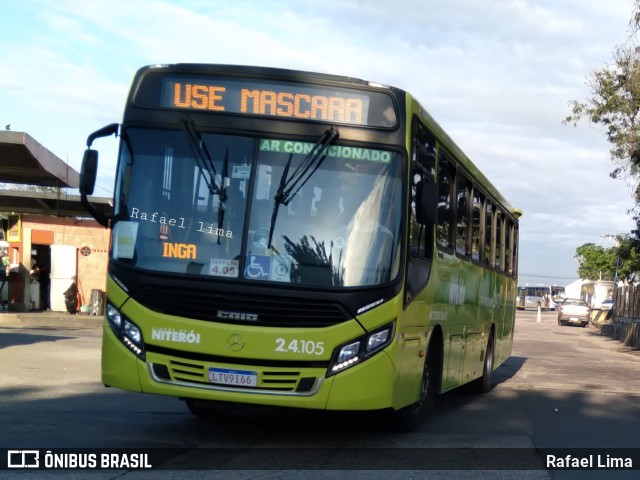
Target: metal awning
57, 204
25, 161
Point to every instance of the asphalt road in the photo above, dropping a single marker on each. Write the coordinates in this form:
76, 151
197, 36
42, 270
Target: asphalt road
563, 387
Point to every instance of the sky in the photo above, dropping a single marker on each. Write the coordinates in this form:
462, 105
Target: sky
497, 75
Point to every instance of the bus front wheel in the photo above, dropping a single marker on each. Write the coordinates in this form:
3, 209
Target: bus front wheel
201, 408
409, 418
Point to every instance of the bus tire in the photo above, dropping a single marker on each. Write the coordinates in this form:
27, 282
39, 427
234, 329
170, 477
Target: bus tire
411, 417
484, 384
200, 408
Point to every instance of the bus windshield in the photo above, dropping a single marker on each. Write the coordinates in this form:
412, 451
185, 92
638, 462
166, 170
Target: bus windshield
204, 206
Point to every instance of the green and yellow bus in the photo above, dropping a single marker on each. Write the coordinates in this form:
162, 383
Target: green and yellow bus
296, 239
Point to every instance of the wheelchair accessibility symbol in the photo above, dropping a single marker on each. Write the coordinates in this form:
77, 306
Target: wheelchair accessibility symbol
258, 267
262, 267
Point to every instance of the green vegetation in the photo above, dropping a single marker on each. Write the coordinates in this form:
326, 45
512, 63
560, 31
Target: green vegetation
619, 262
614, 105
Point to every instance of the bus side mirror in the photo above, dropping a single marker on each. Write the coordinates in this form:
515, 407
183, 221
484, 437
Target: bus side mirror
111, 129
426, 203
88, 171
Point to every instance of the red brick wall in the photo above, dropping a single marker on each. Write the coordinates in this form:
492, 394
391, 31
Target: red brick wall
92, 269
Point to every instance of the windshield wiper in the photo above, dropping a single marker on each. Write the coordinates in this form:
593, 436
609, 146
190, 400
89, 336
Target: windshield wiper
205, 163
223, 192
290, 186
202, 157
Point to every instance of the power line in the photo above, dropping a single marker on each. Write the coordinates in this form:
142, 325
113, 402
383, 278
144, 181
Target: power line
545, 276
102, 188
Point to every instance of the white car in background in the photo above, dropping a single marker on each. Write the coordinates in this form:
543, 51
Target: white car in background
607, 304
574, 311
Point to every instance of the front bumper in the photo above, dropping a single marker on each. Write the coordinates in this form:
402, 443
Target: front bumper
366, 386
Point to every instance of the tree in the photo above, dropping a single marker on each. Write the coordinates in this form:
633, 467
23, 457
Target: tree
595, 262
628, 251
615, 105
621, 261
20, 187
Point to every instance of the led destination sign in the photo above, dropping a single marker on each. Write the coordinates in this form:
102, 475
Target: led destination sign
278, 99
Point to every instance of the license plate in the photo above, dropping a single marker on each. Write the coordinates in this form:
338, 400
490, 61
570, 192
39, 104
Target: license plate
238, 378
574, 319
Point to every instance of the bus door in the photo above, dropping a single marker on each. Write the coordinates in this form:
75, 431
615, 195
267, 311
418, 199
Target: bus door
419, 282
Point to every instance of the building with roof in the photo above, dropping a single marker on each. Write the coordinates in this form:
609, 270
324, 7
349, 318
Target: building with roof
41, 223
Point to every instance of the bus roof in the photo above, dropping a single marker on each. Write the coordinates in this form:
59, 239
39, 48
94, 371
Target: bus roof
413, 107
240, 70
457, 152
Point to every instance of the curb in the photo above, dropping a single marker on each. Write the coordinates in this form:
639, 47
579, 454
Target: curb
627, 333
49, 320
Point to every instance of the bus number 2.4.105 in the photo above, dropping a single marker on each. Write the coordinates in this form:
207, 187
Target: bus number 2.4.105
308, 347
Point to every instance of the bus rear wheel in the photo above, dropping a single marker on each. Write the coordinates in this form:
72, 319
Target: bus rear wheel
484, 384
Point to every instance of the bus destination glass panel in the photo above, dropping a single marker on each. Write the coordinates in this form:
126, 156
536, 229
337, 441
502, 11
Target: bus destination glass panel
296, 101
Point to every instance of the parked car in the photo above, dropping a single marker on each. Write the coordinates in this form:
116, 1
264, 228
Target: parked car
574, 311
607, 304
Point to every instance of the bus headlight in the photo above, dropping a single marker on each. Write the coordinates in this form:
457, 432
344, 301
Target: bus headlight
132, 332
377, 339
126, 331
347, 356
358, 350
113, 315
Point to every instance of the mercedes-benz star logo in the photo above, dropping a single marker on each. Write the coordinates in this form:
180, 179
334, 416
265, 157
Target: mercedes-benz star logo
235, 342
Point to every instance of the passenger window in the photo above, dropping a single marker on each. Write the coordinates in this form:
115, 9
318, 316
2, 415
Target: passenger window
508, 241
514, 255
423, 166
463, 238
423, 169
476, 226
489, 239
445, 211
499, 240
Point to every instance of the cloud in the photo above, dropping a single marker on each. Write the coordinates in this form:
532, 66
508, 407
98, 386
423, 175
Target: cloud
497, 75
